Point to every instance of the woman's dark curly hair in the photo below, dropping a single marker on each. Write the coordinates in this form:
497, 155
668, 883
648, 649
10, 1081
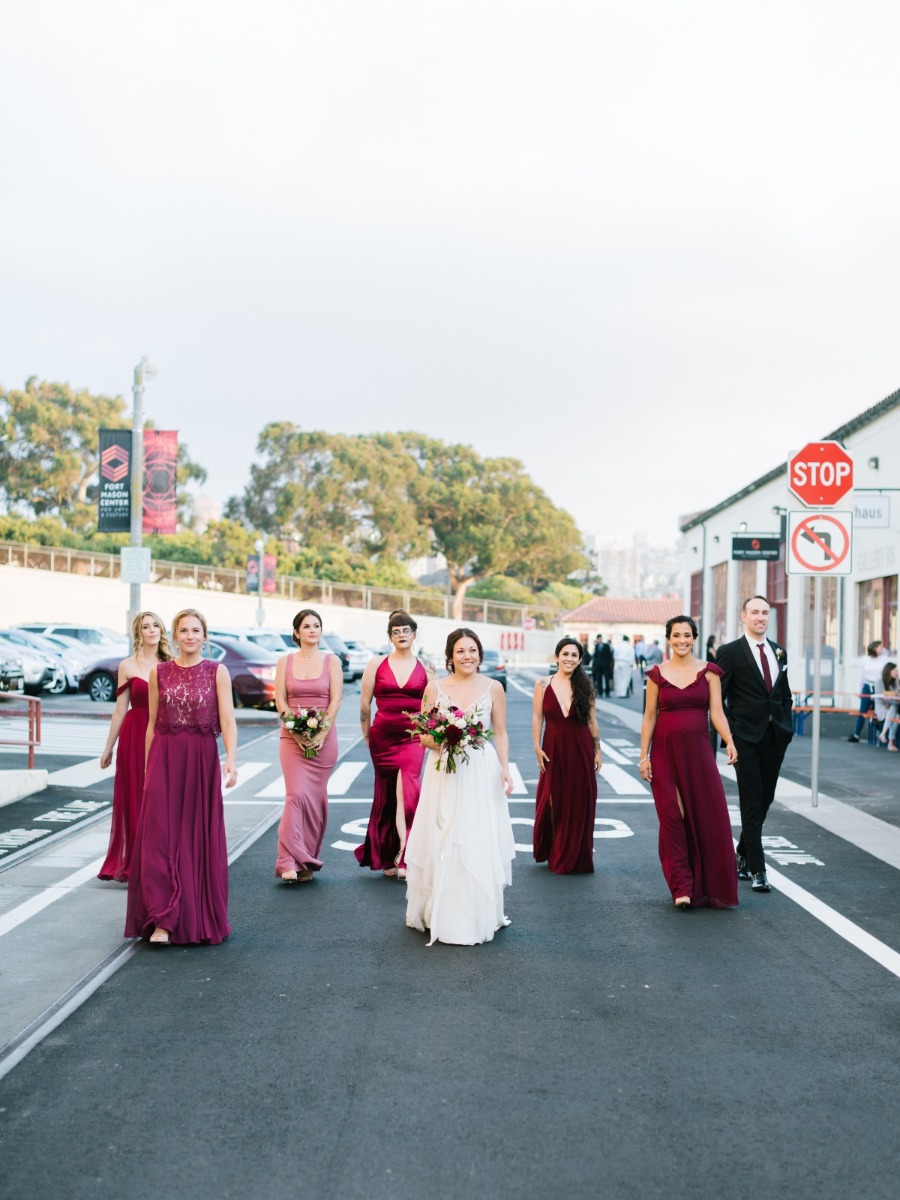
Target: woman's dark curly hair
582, 688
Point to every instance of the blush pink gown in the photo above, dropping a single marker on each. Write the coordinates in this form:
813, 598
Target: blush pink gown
394, 753
179, 867
128, 787
696, 850
302, 828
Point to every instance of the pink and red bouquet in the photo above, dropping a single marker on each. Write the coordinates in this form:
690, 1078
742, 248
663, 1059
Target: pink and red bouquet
307, 723
453, 732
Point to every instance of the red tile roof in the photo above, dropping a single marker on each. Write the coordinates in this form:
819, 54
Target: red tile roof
610, 610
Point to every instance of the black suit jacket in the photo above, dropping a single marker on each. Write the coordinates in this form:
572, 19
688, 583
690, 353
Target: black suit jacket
748, 705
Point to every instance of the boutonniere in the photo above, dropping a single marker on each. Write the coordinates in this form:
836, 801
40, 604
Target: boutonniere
779, 653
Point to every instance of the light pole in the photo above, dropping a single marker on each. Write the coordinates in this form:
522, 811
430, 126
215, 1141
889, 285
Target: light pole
145, 370
259, 546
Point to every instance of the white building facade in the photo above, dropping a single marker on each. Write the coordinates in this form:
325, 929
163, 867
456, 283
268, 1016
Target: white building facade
858, 607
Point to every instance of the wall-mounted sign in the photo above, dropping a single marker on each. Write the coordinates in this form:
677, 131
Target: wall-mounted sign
749, 546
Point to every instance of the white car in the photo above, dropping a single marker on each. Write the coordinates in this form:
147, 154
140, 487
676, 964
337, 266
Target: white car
42, 672
73, 662
360, 654
96, 637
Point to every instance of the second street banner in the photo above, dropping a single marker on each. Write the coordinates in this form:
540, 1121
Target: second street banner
160, 503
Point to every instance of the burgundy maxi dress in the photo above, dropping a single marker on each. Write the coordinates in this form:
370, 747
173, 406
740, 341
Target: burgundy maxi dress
394, 753
566, 800
696, 850
179, 868
129, 783
302, 827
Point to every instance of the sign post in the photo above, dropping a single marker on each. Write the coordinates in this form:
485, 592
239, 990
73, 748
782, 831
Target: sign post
820, 476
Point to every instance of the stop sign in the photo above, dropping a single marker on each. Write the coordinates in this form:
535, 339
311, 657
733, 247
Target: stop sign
820, 474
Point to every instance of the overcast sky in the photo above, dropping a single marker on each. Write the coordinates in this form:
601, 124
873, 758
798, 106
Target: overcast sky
647, 247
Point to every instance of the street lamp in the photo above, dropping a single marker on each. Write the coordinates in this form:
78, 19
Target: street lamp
145, 370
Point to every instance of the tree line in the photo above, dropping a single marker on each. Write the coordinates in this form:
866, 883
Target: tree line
353, 508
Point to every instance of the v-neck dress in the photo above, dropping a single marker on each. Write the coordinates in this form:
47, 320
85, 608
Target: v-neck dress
566, 799
394, 755
696, 850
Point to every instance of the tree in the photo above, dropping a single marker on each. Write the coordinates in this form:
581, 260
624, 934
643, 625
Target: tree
49, 453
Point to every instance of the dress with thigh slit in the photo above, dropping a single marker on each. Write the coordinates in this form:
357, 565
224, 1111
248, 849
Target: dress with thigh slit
566, 800
696, 850
394, 755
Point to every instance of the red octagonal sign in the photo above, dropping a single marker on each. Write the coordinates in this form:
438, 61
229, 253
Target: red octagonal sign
820, 474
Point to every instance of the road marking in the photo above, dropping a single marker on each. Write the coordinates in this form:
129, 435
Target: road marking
613, 755
49, 895
272, 790
248, 771
518, 784
620, 781
529, 692
81, 775
343, 776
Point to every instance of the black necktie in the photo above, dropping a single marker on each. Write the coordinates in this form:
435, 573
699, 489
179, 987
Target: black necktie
767, 674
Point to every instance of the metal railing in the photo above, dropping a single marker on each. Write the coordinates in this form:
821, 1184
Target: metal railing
288, 587
34, 723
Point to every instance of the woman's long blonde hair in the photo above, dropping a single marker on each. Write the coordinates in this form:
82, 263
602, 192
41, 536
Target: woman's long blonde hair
163, 649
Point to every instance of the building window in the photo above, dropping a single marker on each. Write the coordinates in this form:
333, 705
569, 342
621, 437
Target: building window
776, 594
697, 597
830, 623
720, 601
746, 586
877, 612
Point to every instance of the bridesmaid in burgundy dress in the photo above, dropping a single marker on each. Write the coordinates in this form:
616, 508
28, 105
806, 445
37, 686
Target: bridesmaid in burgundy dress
307, 679
129, 725
178, 887
568, 760
695, 844
398, 683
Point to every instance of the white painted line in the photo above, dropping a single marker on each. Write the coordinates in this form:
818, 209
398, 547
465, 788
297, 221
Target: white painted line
248, 771
81, 775
248, 803
47, 896
343, 776
882, 954
613, 755
518, 785
529, 692
274, 790
621, 782
627, 800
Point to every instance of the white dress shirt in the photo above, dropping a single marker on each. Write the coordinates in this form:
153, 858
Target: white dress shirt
774, 667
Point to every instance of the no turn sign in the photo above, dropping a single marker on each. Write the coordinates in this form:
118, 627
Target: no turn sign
819, 543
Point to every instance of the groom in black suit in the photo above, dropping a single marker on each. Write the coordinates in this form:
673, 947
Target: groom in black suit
758, 703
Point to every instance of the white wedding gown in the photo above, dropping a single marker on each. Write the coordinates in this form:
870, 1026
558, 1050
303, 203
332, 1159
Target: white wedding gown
461, 845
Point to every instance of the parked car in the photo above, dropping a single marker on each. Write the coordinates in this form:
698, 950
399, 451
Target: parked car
72, 663
332, 642
42, 671
251, 667
359, 655
106, 641
12, 677
493, 667
101, 679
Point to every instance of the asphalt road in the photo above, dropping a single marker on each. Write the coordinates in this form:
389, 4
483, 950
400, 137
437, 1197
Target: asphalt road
602, 1046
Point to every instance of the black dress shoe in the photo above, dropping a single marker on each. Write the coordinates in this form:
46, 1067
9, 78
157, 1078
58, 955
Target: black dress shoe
760, 883
742, 868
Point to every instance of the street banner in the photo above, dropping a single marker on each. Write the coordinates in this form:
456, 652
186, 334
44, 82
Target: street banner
114, 496
253, 573
269, 580
160, 514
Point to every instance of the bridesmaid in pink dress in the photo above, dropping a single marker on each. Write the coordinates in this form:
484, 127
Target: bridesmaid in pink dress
397, 683
129, 726
695, 844
307, 679
178, 887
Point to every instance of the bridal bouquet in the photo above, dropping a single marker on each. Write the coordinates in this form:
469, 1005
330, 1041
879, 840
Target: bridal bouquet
306, 723
454, 733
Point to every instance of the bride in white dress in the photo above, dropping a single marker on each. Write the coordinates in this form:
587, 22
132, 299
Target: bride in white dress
461, 845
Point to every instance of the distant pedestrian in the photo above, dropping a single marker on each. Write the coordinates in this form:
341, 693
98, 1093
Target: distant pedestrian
597, 672
397, 683
568, 760
654, 654
870, 667
711, 648
640, 652
178, 883
623, 654
758, 706
129, 726
308, 679
889, 700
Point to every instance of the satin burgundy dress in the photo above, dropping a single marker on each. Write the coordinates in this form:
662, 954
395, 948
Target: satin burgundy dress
566, 800
302, 827
179, 867
129, 783
394, 753
696, 850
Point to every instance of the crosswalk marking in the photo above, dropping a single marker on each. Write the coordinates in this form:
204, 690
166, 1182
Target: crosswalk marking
343, 776
518, 783
613, 755
621, 782
81, 775
271, 790
248, 771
